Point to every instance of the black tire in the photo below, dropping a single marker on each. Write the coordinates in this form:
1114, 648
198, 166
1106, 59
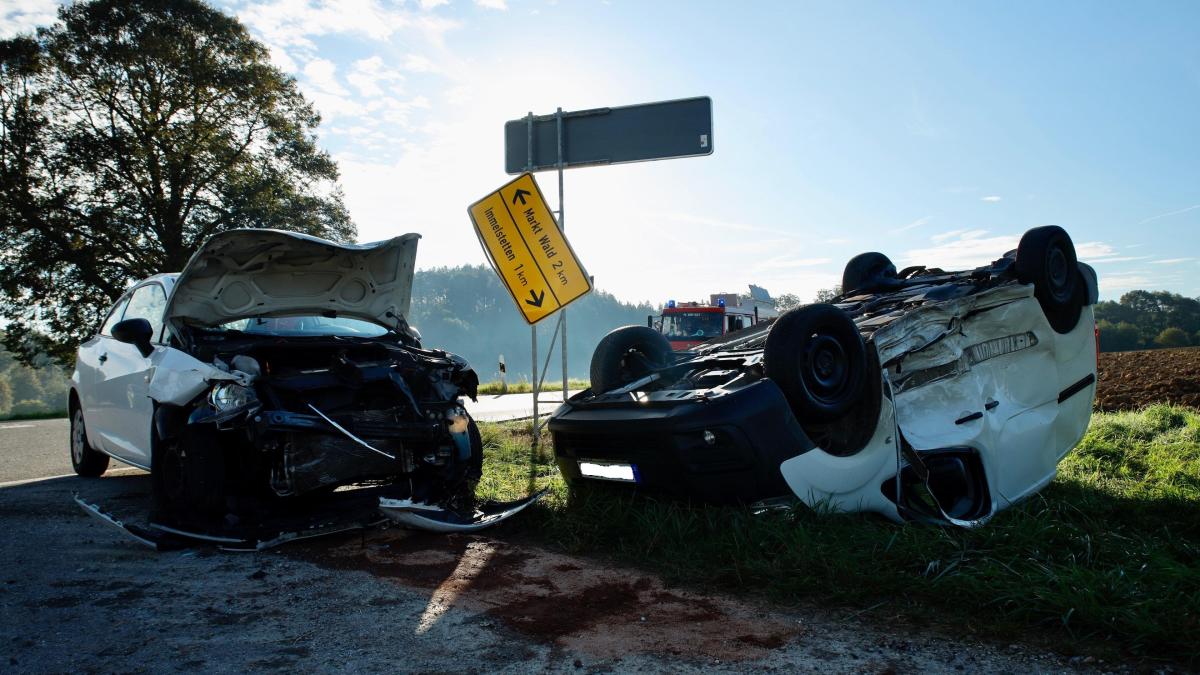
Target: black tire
86, 461
867, 271
816, 355
475, 465
1046, 259
187, 478
627, 354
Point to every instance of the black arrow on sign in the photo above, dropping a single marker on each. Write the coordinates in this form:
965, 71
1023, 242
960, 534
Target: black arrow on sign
520, 194
537, 298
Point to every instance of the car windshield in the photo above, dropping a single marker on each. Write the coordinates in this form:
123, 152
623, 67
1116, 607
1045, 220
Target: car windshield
692, 325
305, 326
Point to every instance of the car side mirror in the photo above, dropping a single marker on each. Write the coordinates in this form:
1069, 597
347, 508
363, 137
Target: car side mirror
136, 332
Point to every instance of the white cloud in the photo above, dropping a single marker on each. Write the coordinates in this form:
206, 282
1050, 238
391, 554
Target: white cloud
913, 225
419, 64
1094, 249
293, 23
433, 4
322, 74
1116, 259
1169, 214
1123, 282
492, 4
23, 16
789, 262
366, 75
990, 198
962, 249
1172, 261
959, 234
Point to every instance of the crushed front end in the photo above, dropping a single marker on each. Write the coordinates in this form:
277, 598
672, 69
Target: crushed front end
302, 419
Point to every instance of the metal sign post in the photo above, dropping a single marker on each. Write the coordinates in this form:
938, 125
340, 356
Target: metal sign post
634, 133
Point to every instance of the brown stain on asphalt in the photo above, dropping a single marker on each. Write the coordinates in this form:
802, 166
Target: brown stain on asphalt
583, 605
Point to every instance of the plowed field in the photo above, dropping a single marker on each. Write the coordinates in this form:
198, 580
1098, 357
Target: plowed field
1131, 380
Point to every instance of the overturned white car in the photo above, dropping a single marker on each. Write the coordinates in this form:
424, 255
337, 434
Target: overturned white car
919, 394
276, 372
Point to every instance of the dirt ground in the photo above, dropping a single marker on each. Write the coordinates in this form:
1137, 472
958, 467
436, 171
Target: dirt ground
76, 596
1131, 380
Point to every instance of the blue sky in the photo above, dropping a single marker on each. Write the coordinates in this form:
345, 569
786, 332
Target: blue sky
935, 132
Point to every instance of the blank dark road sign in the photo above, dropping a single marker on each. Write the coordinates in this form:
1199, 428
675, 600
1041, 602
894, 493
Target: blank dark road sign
528, 250
633, 133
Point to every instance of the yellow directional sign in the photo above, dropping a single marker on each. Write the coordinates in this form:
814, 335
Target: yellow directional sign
528, 250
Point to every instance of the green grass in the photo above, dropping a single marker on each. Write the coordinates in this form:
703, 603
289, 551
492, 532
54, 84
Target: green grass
1105, 560
524, 386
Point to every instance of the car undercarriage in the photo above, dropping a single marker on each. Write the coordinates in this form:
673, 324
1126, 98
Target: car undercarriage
920, 394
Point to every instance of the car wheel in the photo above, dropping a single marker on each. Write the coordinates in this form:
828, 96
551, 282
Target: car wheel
628, 354
1046, 259
816, 355
187, 478
86, 461
865, 271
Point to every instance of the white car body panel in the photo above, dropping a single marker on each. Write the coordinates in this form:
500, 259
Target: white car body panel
123, 406
178, 378
1017, 394
244, 273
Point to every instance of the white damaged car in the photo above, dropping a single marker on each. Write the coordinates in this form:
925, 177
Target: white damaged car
919, 394
275, 373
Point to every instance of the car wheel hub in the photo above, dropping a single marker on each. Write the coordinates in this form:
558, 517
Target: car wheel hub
1058, 275
77, 438
826, 368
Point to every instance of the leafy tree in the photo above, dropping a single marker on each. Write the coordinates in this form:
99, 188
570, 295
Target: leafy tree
25, 383
786, 301
1120, 337
130, 132
828, 294
6, 397
1151, 312
34, 407
1172, 337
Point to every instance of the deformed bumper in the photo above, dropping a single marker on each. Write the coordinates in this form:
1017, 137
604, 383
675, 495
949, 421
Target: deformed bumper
724, 448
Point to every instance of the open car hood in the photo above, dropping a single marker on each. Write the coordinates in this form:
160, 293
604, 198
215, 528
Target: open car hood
244, 273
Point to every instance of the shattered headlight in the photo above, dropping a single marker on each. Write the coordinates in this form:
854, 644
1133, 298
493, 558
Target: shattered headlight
227, 396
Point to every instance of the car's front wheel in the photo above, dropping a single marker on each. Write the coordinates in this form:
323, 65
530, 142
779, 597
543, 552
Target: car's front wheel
86, 461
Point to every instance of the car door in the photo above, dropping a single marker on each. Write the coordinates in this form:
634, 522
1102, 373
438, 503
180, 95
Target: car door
92, 355
122, 383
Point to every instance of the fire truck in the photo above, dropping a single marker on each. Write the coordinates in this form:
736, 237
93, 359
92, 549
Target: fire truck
687, 324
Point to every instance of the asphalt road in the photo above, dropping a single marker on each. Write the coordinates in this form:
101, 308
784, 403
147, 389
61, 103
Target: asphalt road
32, 449
78, 596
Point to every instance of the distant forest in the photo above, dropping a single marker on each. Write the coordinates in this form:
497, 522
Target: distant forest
467, 311
28, 391
1148, 320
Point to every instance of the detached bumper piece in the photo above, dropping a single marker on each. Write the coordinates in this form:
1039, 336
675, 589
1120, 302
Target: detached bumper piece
438, 519
345, 511
337, 514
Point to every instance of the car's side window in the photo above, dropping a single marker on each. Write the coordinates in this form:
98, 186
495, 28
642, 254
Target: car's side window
114, 316
148, 302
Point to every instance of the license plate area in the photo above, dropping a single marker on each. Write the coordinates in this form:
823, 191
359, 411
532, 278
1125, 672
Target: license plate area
604, 470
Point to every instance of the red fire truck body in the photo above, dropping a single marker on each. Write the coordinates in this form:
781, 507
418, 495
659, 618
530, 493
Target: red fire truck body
687, 324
